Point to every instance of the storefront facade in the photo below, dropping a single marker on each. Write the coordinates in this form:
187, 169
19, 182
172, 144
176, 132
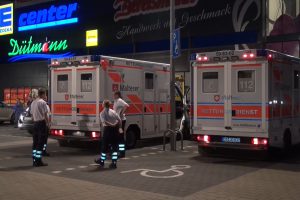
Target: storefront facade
137, 29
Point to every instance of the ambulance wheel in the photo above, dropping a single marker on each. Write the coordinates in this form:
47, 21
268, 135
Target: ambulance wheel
12, 119
203, 151
62, 143
131, 138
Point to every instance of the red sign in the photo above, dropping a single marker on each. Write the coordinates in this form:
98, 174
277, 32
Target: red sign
126, 9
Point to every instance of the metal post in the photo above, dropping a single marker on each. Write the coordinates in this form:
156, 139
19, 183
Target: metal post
172, 77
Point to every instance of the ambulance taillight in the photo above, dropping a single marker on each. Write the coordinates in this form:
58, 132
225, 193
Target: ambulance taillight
259, 141
95, 134
204, 138
57, 132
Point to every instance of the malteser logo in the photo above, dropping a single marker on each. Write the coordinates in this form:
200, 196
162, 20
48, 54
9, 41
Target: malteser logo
126, 9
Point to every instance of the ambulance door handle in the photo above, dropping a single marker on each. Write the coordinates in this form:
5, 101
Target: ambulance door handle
233, 113
78, 110
145, 109
161, 109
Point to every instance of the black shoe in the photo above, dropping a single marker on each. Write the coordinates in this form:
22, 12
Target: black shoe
99, 162
45, 153
40, 164
113, 165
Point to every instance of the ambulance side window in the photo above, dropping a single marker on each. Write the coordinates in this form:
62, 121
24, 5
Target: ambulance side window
210, 82
87, 82
246, 81
149, 81
62, 83
296, 79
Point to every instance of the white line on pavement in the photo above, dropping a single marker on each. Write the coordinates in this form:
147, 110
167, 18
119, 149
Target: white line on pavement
93, 164
143, 155
56, 172
70, 169
152, 153
135, 156
82, 167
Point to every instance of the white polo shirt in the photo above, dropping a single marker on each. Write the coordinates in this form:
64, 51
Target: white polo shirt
38, 109
119, 105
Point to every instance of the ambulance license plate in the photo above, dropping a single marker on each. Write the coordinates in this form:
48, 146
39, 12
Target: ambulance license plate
231, 139
78, 134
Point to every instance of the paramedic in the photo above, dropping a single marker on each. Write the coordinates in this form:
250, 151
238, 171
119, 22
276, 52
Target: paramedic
39, 113
120, 106
45, 152
110, 122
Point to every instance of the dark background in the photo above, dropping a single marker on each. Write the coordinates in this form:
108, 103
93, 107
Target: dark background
209, 34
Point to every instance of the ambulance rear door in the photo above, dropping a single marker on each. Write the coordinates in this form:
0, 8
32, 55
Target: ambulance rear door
86, 94
61, 103
247, 97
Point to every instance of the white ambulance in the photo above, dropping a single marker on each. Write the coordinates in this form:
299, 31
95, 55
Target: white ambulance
245, 99
80, 84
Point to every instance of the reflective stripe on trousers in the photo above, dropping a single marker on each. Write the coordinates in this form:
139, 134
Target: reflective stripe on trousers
121, 147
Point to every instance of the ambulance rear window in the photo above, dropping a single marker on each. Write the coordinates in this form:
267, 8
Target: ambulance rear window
62, 83
210, 82
246, 81
87, 82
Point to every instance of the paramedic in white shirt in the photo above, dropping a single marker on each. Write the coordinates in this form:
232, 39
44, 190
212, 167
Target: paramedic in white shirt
110, 122
120, 106
39, 111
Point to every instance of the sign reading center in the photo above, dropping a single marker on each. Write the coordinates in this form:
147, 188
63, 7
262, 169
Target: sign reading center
48, 17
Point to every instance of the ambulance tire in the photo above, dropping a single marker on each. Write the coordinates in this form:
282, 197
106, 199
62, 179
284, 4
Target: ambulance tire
63, 143
205, 151
12, 119
287, 142
131, 138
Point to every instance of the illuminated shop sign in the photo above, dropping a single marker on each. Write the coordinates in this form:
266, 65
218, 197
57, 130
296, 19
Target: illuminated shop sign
29, 49
92, 38
48, 17
6, 19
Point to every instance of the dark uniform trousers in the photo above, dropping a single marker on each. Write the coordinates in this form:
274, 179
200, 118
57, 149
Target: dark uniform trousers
122, 140
109, 143
39, 137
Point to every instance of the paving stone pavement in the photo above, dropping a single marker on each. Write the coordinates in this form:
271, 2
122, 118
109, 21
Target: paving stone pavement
262, 184
71, 175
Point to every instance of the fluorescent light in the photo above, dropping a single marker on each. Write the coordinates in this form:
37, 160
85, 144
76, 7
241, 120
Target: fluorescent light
48, 24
